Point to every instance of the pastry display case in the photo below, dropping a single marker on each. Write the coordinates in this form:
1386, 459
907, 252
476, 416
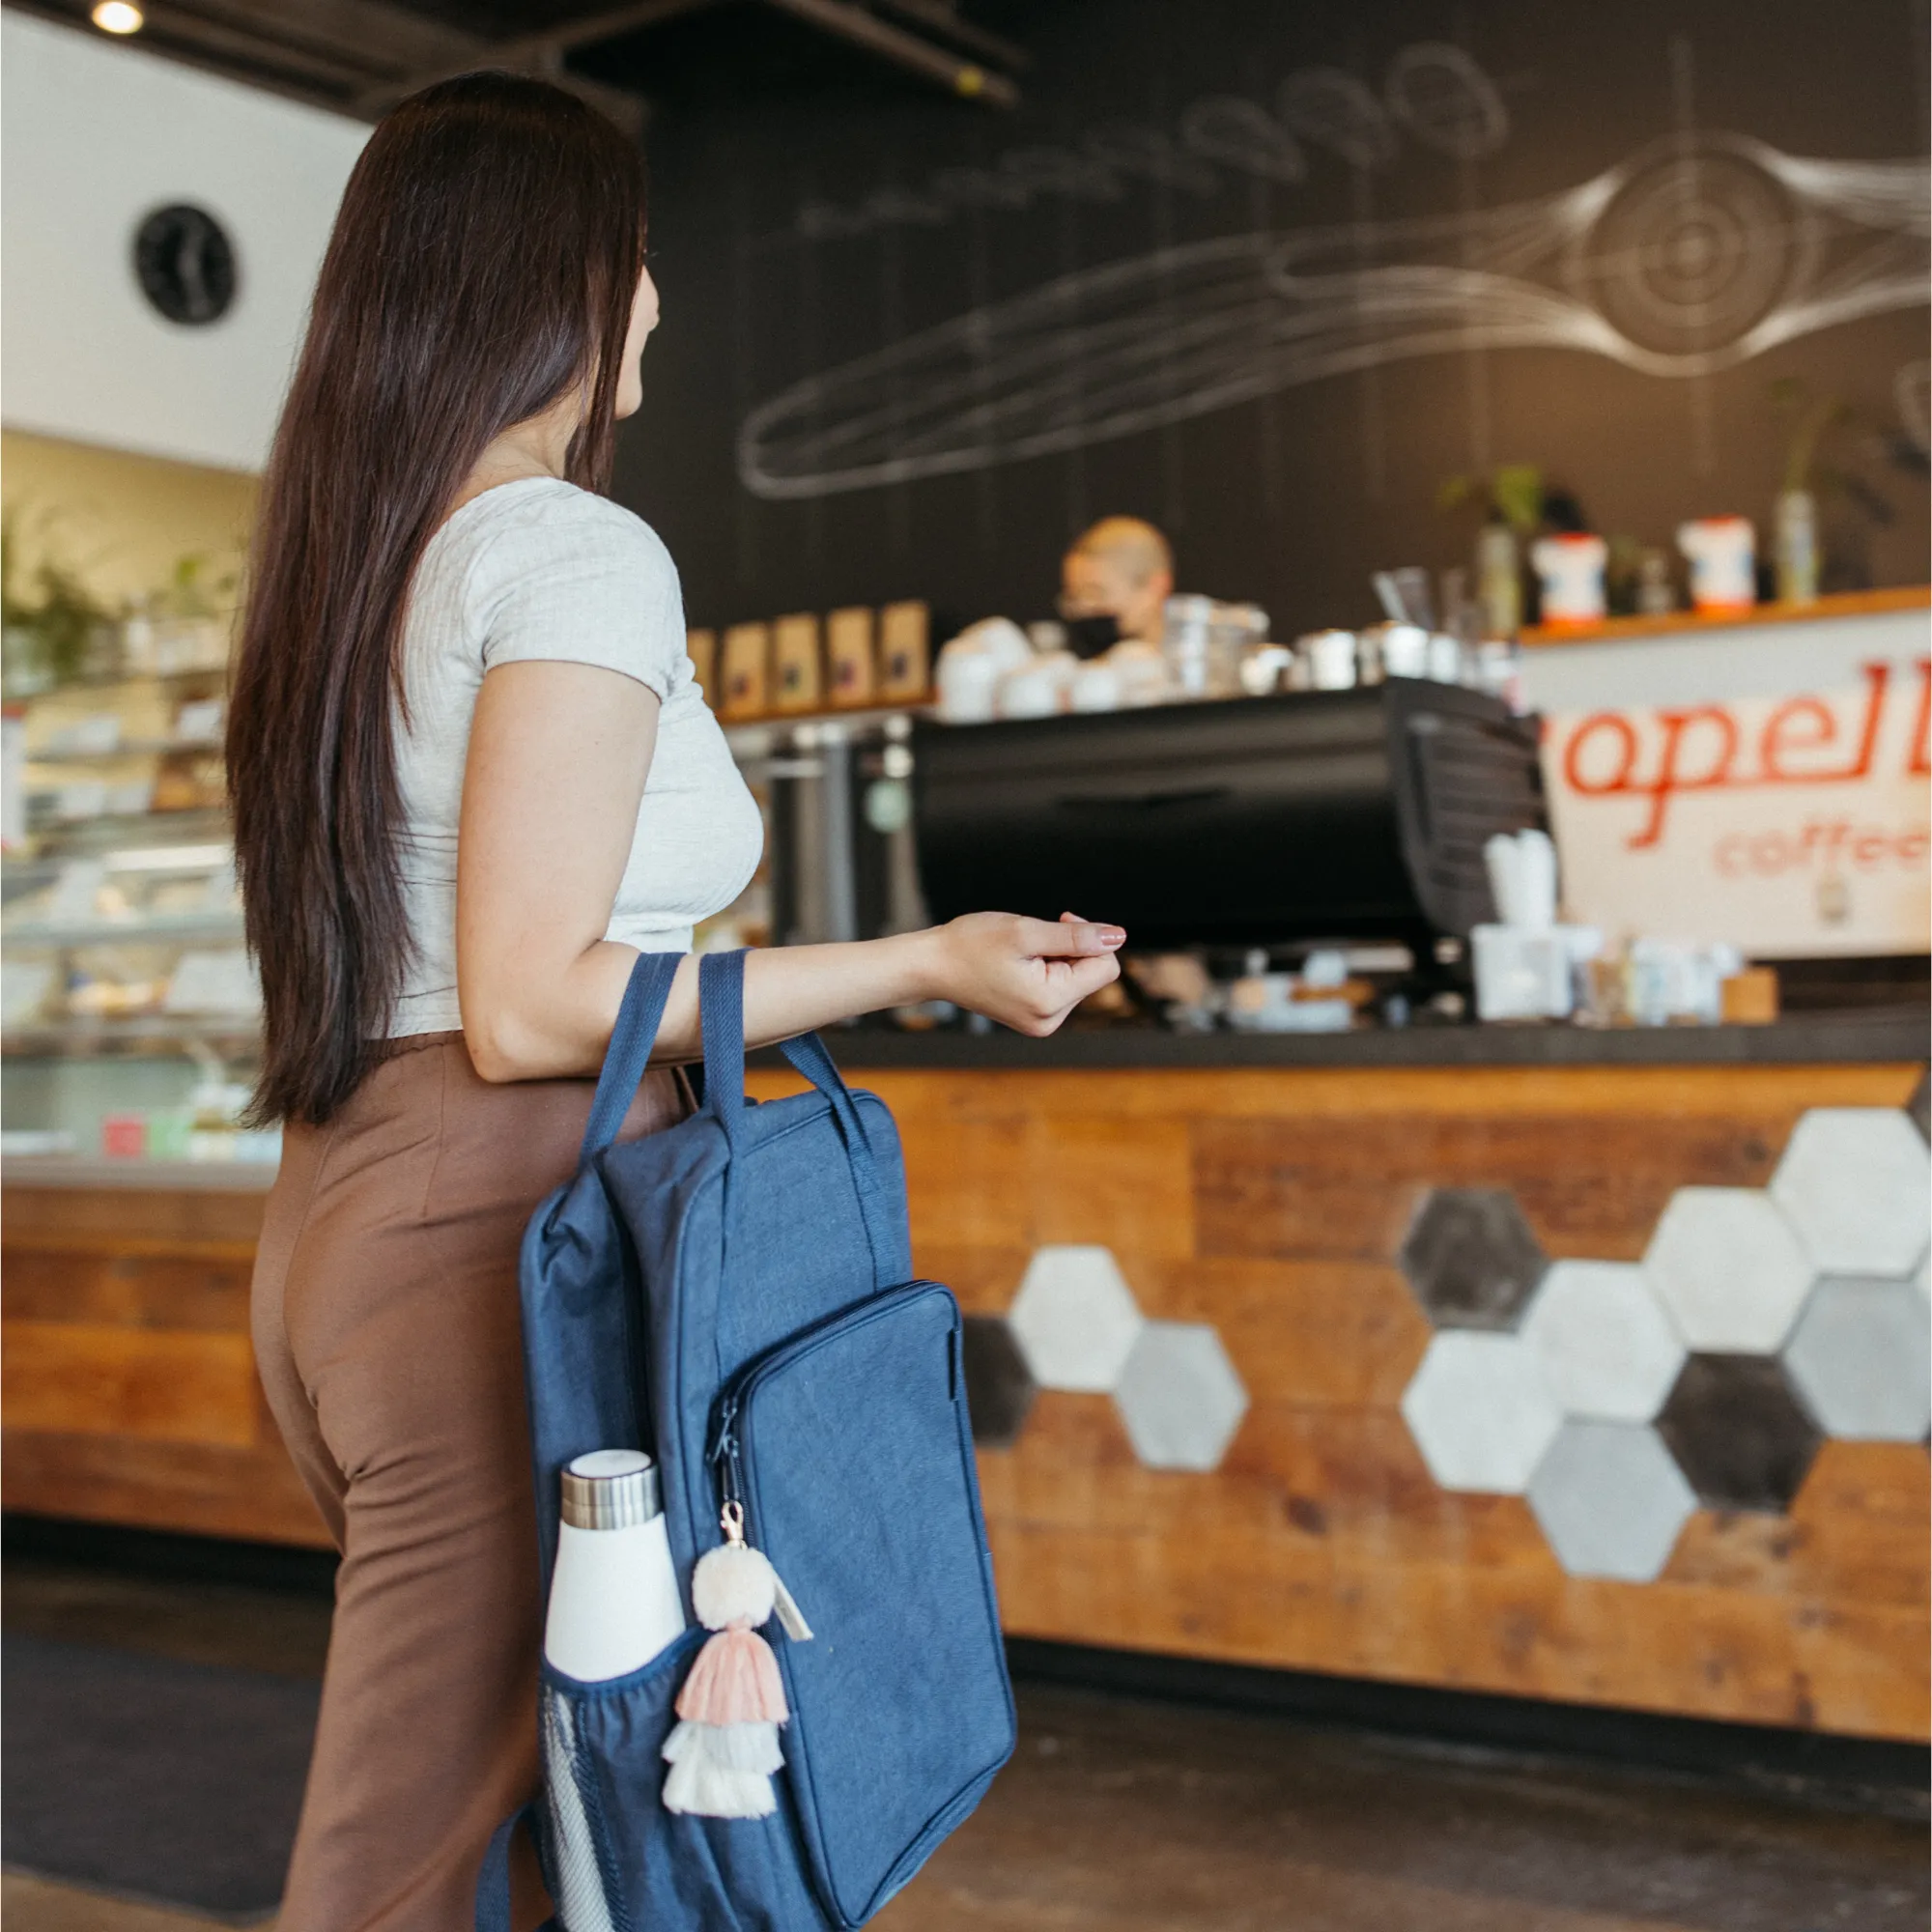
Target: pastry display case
129, 1014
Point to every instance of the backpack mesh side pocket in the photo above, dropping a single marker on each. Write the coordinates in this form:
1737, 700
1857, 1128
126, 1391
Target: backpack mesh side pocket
582, 1902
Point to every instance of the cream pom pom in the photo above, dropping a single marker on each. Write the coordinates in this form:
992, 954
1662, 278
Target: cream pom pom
734, 1585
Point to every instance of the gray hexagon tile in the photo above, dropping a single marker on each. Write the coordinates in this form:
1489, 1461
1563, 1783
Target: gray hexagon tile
1607, 1349
1862, 1360
1855, 1183
1472, 1257
1739, 1433
1729, 1269
999, 1390
1610, 1500
1179, 1396
1480, 1411
1075, 1319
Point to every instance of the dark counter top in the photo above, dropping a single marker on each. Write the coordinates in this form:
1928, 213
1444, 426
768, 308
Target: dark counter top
1868, 1036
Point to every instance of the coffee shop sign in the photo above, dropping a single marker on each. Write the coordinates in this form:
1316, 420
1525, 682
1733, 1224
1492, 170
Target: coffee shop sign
1787, 825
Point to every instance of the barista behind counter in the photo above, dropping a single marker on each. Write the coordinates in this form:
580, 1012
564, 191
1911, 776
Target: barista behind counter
1115, 581
1104, 653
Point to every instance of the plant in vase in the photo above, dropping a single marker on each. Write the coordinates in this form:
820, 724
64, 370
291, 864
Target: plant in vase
53, 629
1511, 498
1813, 425
184, 624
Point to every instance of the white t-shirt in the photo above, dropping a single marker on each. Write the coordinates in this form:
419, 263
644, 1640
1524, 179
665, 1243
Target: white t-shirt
542, 569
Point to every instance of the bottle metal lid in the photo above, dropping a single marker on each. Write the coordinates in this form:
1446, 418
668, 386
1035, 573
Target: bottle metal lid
612, 1488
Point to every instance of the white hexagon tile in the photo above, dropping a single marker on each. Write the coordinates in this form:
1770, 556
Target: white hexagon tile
1861, 1357
1075, 1319
1729, 1269
1610, 1500
1480, 1411
1853, 1182
1607, 1349
1179, 1396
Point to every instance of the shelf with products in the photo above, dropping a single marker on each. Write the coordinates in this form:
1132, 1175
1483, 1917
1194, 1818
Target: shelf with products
129, 1012
236, 1037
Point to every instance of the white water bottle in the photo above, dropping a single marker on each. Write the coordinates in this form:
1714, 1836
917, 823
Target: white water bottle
614, 1598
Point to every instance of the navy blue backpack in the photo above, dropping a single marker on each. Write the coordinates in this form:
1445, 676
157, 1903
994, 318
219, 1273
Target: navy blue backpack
733, 1295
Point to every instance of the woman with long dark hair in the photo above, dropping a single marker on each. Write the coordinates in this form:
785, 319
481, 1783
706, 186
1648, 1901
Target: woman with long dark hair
472, 777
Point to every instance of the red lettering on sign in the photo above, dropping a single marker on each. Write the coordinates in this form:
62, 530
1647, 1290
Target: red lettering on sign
1620, 779
1780, 738
1669, 781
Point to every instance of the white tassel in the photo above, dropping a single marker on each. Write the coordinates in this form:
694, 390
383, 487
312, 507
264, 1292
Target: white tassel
748, 1748
722, 1771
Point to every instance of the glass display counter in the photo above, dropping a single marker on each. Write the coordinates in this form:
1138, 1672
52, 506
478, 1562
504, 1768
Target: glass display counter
129, 1014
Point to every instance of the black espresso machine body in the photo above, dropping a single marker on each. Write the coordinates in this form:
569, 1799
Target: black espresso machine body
1257, 821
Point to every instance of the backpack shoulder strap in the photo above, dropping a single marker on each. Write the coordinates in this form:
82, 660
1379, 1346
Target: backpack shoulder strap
629, 1053
492, 1880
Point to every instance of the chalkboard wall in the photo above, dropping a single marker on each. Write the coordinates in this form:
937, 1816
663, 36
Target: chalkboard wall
1267, 274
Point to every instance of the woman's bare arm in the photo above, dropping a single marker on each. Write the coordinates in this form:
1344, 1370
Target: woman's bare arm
558, 754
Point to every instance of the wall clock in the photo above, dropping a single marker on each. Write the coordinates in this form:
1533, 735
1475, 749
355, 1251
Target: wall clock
185, 264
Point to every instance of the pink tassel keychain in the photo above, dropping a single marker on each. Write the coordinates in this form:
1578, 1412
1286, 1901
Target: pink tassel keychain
725, 1746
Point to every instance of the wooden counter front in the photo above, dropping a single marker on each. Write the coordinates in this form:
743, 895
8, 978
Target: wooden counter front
1267, 1203
128, 1383
1270, 1204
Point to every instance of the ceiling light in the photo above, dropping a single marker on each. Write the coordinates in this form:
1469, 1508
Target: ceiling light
117, 16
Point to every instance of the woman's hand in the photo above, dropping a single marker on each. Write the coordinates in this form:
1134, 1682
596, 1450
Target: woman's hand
1022, 972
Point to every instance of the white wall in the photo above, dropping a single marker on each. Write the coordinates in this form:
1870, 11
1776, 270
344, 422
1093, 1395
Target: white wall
96, 134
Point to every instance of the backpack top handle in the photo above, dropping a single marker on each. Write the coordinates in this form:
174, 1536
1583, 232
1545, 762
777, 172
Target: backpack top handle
720, 992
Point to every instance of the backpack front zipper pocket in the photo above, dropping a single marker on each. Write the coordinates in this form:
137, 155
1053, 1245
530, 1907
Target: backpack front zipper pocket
900, 1709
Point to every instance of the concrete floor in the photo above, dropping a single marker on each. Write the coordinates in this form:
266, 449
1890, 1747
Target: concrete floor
1120, 1816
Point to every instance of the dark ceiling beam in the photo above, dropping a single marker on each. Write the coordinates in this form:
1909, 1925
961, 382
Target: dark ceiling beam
256, 64
219, 40
942, 18
847, 23
362, 56
543, 52
376, 38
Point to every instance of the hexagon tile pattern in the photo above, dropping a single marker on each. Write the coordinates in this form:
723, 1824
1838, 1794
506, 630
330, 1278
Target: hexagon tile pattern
1610, 1500
1853, 1182
1472, 1257
1739, 1433
999, 1390
1480, 1411
1862, 1360
1607, 1347
1729, 1268
1179, 1396
1075, 1319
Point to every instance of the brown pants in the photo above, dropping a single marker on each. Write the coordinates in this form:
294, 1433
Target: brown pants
386, 1329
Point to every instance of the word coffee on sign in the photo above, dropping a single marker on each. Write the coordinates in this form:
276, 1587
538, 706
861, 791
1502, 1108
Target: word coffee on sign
1790, 825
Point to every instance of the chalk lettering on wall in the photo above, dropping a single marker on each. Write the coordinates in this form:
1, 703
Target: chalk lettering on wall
1689, 258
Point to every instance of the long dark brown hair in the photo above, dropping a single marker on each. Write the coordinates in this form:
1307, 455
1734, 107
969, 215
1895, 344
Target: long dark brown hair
483, 262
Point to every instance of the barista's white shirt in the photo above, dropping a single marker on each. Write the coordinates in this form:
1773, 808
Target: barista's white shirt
541, 569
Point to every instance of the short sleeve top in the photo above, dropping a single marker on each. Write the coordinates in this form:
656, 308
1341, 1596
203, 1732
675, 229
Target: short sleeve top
542, 569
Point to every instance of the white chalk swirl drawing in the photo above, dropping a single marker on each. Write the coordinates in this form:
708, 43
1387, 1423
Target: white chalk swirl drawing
1433, 92
1692, 256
